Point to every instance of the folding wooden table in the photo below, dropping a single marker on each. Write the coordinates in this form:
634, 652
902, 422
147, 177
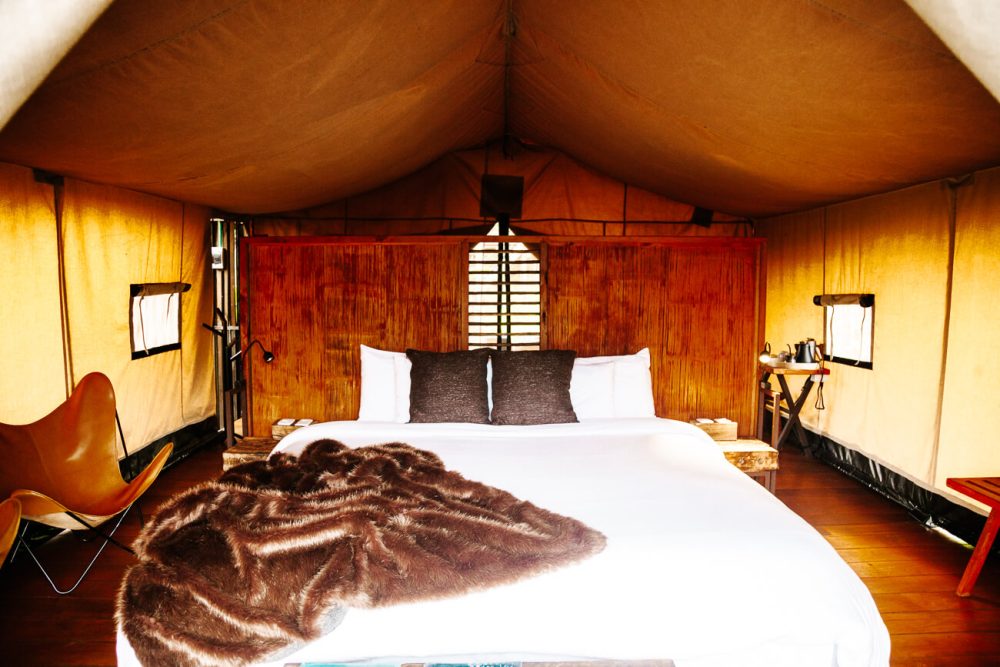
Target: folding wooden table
794, 405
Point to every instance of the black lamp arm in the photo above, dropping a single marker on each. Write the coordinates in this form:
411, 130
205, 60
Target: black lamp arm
268, 355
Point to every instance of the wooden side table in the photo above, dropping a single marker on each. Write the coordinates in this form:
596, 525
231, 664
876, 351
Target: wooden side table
754, 457
987, 491
246, 450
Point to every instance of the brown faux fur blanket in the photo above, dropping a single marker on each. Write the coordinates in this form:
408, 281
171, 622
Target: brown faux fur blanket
270, 556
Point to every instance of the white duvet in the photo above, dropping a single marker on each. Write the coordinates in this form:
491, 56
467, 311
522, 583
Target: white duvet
702, 565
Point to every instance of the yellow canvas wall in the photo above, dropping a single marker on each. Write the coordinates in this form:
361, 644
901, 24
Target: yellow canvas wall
110, 239
920, 411
971, 408
794, 274
33, 380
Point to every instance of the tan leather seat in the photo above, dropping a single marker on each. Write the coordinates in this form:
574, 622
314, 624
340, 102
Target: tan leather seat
10, 518
67, 461
65, 465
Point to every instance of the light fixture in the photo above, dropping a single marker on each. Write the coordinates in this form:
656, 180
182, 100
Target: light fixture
268, 355
702, 217
765, 354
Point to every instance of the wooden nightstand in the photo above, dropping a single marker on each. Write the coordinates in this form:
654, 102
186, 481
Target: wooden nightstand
246, 450
754, 457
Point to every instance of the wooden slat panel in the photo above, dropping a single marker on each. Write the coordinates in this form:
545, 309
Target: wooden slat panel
695, 307
315, 302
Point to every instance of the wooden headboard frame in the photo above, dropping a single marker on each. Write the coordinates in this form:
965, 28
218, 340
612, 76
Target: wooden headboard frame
696, 302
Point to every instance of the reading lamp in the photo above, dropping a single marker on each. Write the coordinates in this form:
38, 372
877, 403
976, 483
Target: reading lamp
268, 355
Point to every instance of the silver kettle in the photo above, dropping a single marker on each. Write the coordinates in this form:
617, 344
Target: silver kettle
806, 352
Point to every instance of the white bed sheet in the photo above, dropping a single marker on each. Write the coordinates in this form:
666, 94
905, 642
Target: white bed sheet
702, 565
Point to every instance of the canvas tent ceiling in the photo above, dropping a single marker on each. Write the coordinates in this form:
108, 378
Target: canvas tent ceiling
745, 108
32, 42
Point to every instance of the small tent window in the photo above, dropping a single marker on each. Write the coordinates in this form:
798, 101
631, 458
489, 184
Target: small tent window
505, 294
849, 324
155, 317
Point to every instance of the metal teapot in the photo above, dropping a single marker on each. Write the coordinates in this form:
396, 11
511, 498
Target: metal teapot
778, 360
806, 352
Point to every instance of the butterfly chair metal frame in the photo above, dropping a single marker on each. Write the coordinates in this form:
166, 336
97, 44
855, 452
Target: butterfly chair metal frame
22, 541
64, 471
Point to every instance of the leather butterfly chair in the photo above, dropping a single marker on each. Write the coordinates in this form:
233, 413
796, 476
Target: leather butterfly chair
63, 468
10, 517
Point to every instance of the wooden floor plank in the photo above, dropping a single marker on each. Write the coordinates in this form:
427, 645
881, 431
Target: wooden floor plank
903, 525
887, 535
942, 553
947, 648
915, 566
942, 620
911, 571
902, 582
929, 601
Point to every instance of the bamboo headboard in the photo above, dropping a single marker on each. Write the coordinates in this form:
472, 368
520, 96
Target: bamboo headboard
695, 302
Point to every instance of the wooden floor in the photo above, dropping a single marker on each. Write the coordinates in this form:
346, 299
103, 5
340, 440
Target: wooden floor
912, 573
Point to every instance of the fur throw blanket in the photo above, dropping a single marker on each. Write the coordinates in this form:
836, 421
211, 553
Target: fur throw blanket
270, 556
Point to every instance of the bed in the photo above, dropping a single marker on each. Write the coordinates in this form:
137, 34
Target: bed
702, 565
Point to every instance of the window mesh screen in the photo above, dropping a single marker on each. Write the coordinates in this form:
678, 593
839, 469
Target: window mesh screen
155, 317
849, 334
505, 309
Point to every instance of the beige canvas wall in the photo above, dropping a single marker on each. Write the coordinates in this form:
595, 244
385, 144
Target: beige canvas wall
895, 246
110, 239
794, 274
971, 409
197, 357
33, 380
919, 411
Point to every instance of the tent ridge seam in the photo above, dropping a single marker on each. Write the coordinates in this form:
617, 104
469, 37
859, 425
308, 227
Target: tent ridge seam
151, 47
944, 55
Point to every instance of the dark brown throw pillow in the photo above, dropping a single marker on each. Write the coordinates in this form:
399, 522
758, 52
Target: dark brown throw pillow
532, 387
449, 386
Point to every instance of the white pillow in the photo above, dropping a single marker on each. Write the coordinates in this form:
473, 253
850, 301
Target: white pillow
591, 390
383, 399
642, 357
385, 386
632, 384
403, 366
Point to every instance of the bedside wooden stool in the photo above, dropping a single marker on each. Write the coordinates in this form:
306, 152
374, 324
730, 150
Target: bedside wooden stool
754, 457
246, 450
